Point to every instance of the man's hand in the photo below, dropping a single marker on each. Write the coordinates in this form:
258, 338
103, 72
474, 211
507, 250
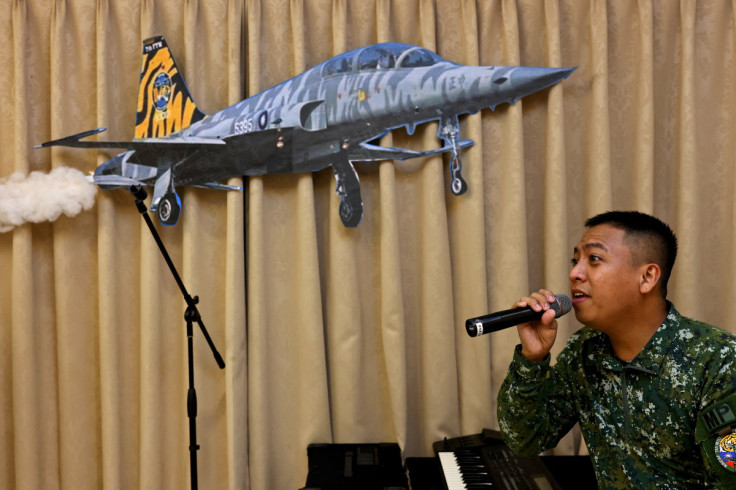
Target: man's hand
537, 337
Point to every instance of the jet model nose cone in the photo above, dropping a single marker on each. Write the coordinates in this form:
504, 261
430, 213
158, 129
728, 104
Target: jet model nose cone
550, 76
526, 80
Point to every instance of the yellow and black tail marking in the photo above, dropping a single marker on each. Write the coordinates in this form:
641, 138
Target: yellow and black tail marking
164, 103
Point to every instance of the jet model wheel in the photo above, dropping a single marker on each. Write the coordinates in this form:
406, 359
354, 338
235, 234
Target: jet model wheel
346, 211
169, 209
458, 186
351, 213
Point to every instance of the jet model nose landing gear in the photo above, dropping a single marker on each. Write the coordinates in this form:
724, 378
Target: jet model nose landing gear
458, 185
449, 132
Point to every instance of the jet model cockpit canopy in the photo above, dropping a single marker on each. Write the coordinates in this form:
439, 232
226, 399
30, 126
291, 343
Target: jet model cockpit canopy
380, 57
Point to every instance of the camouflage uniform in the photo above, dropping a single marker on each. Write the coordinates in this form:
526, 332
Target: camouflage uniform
665, 419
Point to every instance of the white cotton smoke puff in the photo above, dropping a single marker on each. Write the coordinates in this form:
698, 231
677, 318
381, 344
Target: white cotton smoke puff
42, 197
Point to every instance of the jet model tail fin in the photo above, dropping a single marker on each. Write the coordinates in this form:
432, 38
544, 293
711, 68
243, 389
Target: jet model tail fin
165, 105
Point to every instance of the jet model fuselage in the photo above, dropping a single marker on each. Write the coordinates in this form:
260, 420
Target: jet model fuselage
327, 116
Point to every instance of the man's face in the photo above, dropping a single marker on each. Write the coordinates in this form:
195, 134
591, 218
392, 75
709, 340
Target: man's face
603, 281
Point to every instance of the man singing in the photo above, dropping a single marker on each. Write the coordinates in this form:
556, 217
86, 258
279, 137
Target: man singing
654, 392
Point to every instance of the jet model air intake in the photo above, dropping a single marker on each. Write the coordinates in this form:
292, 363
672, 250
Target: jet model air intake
312, 116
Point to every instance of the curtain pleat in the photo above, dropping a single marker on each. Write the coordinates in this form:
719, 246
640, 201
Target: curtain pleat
469, 293
235, 348
641, 111
728, 251
118, 301
686, 211
330, 334
34, 384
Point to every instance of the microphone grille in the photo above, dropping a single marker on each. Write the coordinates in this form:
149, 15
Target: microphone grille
562, 306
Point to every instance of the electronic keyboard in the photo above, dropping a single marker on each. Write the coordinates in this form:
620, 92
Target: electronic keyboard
484, 461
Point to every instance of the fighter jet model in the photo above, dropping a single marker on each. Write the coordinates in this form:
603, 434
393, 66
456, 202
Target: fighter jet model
329, 115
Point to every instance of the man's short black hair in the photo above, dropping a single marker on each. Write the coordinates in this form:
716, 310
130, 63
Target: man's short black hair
655, 242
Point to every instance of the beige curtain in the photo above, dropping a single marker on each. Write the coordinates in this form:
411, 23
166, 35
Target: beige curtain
334, 334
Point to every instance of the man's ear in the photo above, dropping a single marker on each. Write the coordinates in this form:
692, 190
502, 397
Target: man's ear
650, 276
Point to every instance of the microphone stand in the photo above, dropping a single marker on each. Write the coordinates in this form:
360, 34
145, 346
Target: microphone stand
191, 315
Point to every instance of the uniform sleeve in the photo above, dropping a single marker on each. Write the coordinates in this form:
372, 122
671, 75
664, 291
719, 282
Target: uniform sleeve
535, 406
716, 435
715, 430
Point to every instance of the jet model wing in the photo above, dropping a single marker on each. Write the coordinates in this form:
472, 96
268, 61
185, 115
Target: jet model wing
368, 152
75, 141
220, 187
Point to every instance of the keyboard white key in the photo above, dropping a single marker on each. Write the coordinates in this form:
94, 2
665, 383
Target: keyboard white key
451, 469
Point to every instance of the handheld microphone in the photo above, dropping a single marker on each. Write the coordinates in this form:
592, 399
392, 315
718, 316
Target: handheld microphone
508, 318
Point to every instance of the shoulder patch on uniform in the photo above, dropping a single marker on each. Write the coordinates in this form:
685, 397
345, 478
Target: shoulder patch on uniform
715, 433
725, 451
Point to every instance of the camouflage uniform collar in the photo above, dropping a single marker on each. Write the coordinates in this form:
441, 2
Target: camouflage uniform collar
600, 352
